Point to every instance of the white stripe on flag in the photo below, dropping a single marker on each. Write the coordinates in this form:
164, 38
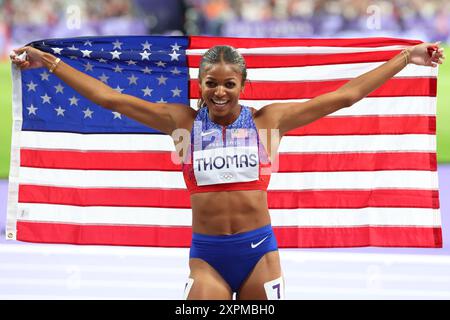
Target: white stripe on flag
298, 144
96, 142
379, 106
326, 72
302, 50
360, 143
351, 180
182, 217
413, 179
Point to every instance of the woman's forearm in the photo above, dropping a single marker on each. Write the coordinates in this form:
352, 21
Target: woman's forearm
363, 85
87, 86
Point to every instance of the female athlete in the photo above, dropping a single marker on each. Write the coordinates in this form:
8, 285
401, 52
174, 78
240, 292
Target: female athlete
227, 164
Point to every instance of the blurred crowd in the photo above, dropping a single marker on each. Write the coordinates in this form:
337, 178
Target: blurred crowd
425, 19
25, 21
38, 12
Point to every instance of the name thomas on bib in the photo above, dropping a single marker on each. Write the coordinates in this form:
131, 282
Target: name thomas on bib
226, 165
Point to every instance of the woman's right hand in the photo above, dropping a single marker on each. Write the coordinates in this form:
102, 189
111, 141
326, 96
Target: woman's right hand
33, 58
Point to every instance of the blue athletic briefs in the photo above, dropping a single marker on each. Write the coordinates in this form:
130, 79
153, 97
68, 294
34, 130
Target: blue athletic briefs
234, 256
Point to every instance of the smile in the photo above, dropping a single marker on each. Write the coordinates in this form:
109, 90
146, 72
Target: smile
220, 103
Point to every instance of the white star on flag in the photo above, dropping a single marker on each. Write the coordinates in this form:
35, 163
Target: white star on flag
118, 69
44, 76
118, 89
161, 64
86, 53
115, 54
133, 79
57, 50
46, 99
146, 45
117, 44
176, 92
175, 71
88, 113
174, 56
147, 70
161, 101
101, 60
147, 91
131, 62
60, 111
117, 115
88, 67
162, 80
73, 101
73, 48
104, 78
88, 43
32, 86
59, 88
145, 55
175, 47
32, 110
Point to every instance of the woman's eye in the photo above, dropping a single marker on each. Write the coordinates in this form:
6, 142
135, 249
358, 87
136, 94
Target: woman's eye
210, 84
230, 85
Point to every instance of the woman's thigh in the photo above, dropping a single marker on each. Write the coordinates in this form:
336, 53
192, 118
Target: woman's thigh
265, 281
207, 282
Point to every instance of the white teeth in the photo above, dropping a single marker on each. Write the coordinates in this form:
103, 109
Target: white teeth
219, 102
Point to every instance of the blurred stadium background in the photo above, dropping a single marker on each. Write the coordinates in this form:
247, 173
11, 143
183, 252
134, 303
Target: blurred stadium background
22, 22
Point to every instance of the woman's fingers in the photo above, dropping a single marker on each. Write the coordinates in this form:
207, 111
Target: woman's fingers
21, 50
24, 65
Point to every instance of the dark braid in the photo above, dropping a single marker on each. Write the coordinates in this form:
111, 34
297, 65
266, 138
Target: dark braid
218, 54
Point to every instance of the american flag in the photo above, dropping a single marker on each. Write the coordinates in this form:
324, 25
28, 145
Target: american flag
363, 176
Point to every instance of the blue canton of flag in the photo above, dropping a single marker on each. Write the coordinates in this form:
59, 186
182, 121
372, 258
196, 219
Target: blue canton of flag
152, 68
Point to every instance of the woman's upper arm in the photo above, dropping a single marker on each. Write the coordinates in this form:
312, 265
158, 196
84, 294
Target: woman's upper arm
291, 115
165, 117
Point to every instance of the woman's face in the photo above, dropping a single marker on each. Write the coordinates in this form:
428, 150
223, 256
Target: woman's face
220, 87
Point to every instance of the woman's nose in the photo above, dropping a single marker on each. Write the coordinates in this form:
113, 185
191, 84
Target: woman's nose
220, 91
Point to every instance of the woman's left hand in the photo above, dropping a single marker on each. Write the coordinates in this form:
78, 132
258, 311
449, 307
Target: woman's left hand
427, 54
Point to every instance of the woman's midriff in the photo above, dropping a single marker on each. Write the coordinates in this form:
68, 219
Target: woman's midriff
229, 212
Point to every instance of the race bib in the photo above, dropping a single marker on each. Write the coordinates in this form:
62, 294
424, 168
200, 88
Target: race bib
226, 165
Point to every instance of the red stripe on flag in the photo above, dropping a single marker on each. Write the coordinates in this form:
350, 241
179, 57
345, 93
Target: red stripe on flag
287, 237
354, 161
353, 199
358, 237
148, 236
98, 160
303, 60
288, 162
121, 197
179, 198
271, 90
368, 125
204, 42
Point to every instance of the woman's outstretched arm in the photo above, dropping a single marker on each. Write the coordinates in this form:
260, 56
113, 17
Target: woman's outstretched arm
164, 117
288, 116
